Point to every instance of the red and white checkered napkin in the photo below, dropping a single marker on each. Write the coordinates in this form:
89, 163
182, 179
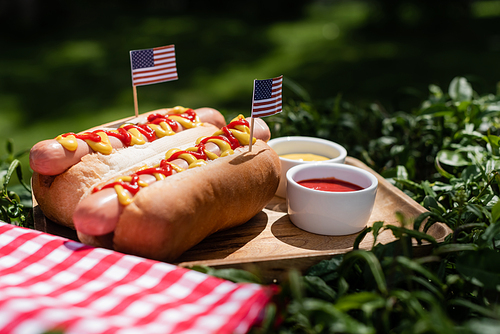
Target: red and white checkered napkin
49, 282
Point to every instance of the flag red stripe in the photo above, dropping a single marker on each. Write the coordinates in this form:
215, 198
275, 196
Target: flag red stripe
269, 107
155, 76
171, 46
274, 101
170, 55
266, 110
150, 74
154, 69
256, 114
164, 60
155, 81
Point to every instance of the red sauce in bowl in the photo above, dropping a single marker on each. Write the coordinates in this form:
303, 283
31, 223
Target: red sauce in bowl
330, 184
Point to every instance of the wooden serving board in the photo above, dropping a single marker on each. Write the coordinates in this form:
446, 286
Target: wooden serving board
270, 245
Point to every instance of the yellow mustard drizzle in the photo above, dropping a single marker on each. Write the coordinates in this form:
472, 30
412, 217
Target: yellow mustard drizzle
224, 146
123, 196
163, 129
185, 122
104, 146
177, 110
176, 168
189, 158
241, 132
159, 176
68, 142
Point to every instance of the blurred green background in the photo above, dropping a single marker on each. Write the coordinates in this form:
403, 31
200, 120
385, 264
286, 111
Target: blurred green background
64, 65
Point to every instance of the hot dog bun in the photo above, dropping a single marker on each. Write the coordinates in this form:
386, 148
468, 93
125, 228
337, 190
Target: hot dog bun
172, 215
54, 156
58, 195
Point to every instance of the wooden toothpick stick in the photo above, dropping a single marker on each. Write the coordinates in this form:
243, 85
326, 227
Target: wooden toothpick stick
251, 135
136, 105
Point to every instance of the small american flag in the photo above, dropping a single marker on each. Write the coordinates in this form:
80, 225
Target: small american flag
267, 97
155, 65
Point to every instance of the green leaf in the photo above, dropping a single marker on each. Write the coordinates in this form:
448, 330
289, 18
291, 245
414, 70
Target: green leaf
402, 173
422, 217
482, 326
495, 213
426, 284
490, 233
317, 316
417, 267
327, 269
452, 158
412, 185
494, 142
360, 237
317, 288
419, 236
359, 301
431, 203
5, 216
13, 166
478, 210
460, 90
441, 170
436, 91
454, 248
480, 268
19, 172
474, 307
231, 274
372, 263
296, 284
428, 189
376, 230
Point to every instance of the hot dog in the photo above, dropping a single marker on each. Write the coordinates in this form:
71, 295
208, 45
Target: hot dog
57, 195
54, 156
170, 214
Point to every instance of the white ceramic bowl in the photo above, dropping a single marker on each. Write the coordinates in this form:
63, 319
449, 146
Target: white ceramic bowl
298, 144
325, 212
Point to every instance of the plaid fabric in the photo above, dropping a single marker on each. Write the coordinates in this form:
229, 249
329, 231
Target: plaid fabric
48, 282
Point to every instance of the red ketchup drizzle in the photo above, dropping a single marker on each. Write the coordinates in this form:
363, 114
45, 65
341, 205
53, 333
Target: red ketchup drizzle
158, 118
126, 138
166, 169
198, 154
330, 184
93, 136
144, 129
133, 186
